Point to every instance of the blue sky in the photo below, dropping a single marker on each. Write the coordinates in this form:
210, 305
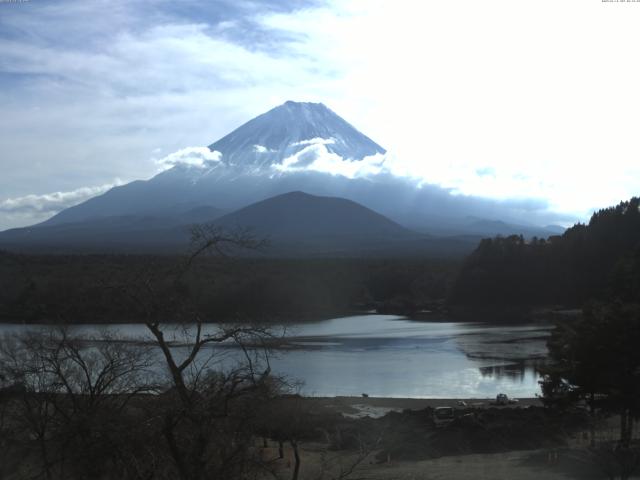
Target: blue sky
526, 101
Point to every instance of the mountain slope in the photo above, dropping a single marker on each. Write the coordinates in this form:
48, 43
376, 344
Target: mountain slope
296, 224
246, 171
288, 129
299, 224
298, 215
293, 147
124, 233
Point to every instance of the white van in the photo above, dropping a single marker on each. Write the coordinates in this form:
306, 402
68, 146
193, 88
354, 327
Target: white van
443, 416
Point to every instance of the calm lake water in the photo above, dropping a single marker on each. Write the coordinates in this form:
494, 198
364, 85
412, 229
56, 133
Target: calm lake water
391, 356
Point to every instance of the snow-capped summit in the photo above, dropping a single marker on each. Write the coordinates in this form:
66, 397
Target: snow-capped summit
258, 159
284, 131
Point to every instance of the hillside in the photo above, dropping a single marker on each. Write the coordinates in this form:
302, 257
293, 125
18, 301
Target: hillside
298, 215
296, 224
297, 146
586, 262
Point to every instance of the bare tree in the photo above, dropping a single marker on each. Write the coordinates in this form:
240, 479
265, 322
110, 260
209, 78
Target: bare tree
341, 467
74, 392
8, 433
294, 420
614, 461
209, 407
92, 406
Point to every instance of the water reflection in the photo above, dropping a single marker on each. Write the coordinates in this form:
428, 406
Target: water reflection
516, 372
391, 356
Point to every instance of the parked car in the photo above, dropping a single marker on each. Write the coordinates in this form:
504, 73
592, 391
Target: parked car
503, 399
443, 416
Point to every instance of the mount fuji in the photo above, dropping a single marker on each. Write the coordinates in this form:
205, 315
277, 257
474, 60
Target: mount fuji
292, 131
295, 147
272, 154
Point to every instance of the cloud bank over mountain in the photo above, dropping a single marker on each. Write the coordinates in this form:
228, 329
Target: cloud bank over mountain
316, 158
102, 97
305, 147
35, 208
189, 156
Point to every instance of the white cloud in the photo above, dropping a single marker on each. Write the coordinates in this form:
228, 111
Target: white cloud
35, 208
453, 87
316, 158
98, 108
450, 87
199, 157
262, 149
315, 141
53, 202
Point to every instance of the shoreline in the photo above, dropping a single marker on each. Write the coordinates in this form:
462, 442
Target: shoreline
451, 314
376, 407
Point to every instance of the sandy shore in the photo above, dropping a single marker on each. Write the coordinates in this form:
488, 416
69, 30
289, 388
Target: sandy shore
379, 406
408, 434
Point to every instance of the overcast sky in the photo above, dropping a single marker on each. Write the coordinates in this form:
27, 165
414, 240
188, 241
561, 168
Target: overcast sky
498, 98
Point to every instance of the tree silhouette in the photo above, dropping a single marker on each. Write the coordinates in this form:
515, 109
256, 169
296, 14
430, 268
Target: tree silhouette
596, 359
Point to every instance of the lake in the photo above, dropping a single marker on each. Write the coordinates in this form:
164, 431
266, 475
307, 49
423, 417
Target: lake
393, 356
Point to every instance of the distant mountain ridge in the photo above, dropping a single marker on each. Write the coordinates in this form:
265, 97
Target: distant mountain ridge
246, 171
295, 224
300, 215
273, 154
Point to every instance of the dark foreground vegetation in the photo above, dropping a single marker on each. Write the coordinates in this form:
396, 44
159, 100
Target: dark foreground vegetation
105, 412
101, 410
80, 288
77, 408
594, 359
98, 408
599, 260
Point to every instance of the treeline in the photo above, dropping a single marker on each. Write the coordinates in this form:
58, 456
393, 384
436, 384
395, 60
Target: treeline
98, 406
594, 261
87, 288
